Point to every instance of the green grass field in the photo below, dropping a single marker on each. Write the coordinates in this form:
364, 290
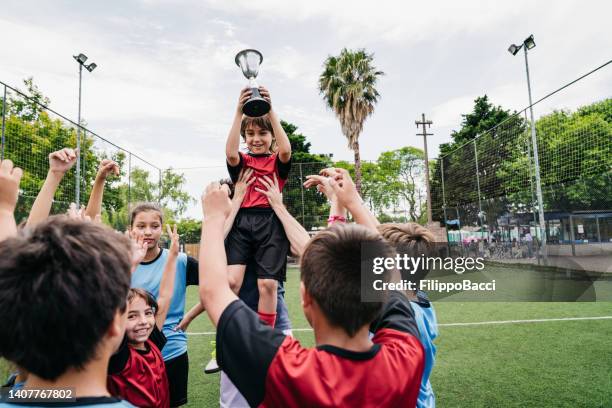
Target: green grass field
538, 364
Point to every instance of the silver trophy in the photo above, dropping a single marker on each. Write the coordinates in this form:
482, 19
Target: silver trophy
249, 62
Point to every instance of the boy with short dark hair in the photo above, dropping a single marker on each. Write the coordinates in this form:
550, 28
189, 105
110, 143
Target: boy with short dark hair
65, 284
346, 368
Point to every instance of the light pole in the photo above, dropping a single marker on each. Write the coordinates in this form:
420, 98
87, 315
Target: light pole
528, 44
81, 58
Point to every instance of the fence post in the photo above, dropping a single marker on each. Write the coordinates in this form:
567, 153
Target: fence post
480, 214
444, 205
160, 187
3, 122
129, 190
302, 191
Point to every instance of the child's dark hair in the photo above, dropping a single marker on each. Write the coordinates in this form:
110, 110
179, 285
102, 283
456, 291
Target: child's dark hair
331, 272
145, 295
230, 185
143, 207
262, 122
61, 285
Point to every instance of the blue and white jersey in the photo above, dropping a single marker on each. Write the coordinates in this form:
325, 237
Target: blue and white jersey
148, 276
426, 320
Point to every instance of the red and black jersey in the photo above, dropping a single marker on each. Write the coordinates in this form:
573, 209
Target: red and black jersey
262, 165
139, 376
274, 370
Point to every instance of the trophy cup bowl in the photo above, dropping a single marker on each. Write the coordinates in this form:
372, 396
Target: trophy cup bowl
249, 61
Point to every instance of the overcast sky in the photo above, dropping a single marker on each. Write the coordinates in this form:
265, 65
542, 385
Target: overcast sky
166, 84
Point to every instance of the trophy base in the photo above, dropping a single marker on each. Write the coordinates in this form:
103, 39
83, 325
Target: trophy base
256, 106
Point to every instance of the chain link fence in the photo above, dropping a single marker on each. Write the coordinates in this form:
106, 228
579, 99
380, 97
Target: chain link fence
486, 191
31, 131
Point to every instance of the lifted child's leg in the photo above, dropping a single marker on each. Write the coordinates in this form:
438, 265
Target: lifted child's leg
266, 308
235, 274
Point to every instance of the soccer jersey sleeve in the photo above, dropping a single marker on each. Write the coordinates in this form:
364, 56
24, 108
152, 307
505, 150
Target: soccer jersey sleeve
245, 349
120, 358
234, 171
397, 314
193, 274
283, 168
158, 338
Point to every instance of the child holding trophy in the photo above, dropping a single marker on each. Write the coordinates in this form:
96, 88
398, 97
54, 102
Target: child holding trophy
257, 236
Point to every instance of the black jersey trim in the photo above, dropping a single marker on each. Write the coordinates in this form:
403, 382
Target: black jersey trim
161, 250
349, 354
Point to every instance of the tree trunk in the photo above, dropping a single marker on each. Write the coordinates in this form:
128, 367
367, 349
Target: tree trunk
357, 167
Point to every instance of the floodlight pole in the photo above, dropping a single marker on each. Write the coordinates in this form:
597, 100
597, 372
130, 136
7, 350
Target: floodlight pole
536, 161
78, 163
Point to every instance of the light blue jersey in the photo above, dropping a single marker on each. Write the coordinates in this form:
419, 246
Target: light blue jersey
97, 402
148, 276
425, 317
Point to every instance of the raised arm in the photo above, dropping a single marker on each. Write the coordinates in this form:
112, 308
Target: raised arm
296, 234
166, 286
344, 188
59, 163
337, 212
9, 193
244, 181
233, 139
94, 206
215, 292
282, 141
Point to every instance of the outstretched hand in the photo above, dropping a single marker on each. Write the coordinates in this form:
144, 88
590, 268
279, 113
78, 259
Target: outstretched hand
62, 160
75, 213
244, 181
139, 248
322, 185
342, 185
9, 186
272, 192
174, 240
108, 167
215, 201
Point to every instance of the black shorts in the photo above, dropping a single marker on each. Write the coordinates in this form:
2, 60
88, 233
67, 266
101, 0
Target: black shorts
177, 369
258, 238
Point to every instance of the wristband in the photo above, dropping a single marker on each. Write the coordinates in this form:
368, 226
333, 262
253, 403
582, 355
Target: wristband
336, 218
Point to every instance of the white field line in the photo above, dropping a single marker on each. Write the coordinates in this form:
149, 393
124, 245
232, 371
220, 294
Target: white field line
492, 322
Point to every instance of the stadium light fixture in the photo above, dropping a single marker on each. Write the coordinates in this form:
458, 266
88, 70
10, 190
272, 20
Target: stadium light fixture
513, 49
81, 58
91, 66
529, 42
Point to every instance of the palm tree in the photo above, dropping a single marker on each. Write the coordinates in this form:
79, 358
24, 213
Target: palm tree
348, 86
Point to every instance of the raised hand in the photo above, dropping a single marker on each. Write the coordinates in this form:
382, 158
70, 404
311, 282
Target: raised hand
107, 167
343, 186
322, 185
265, 94
245, 94
9, 186
174, 240
272, 192
215, 201
139, 248
244, 181
62, 160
